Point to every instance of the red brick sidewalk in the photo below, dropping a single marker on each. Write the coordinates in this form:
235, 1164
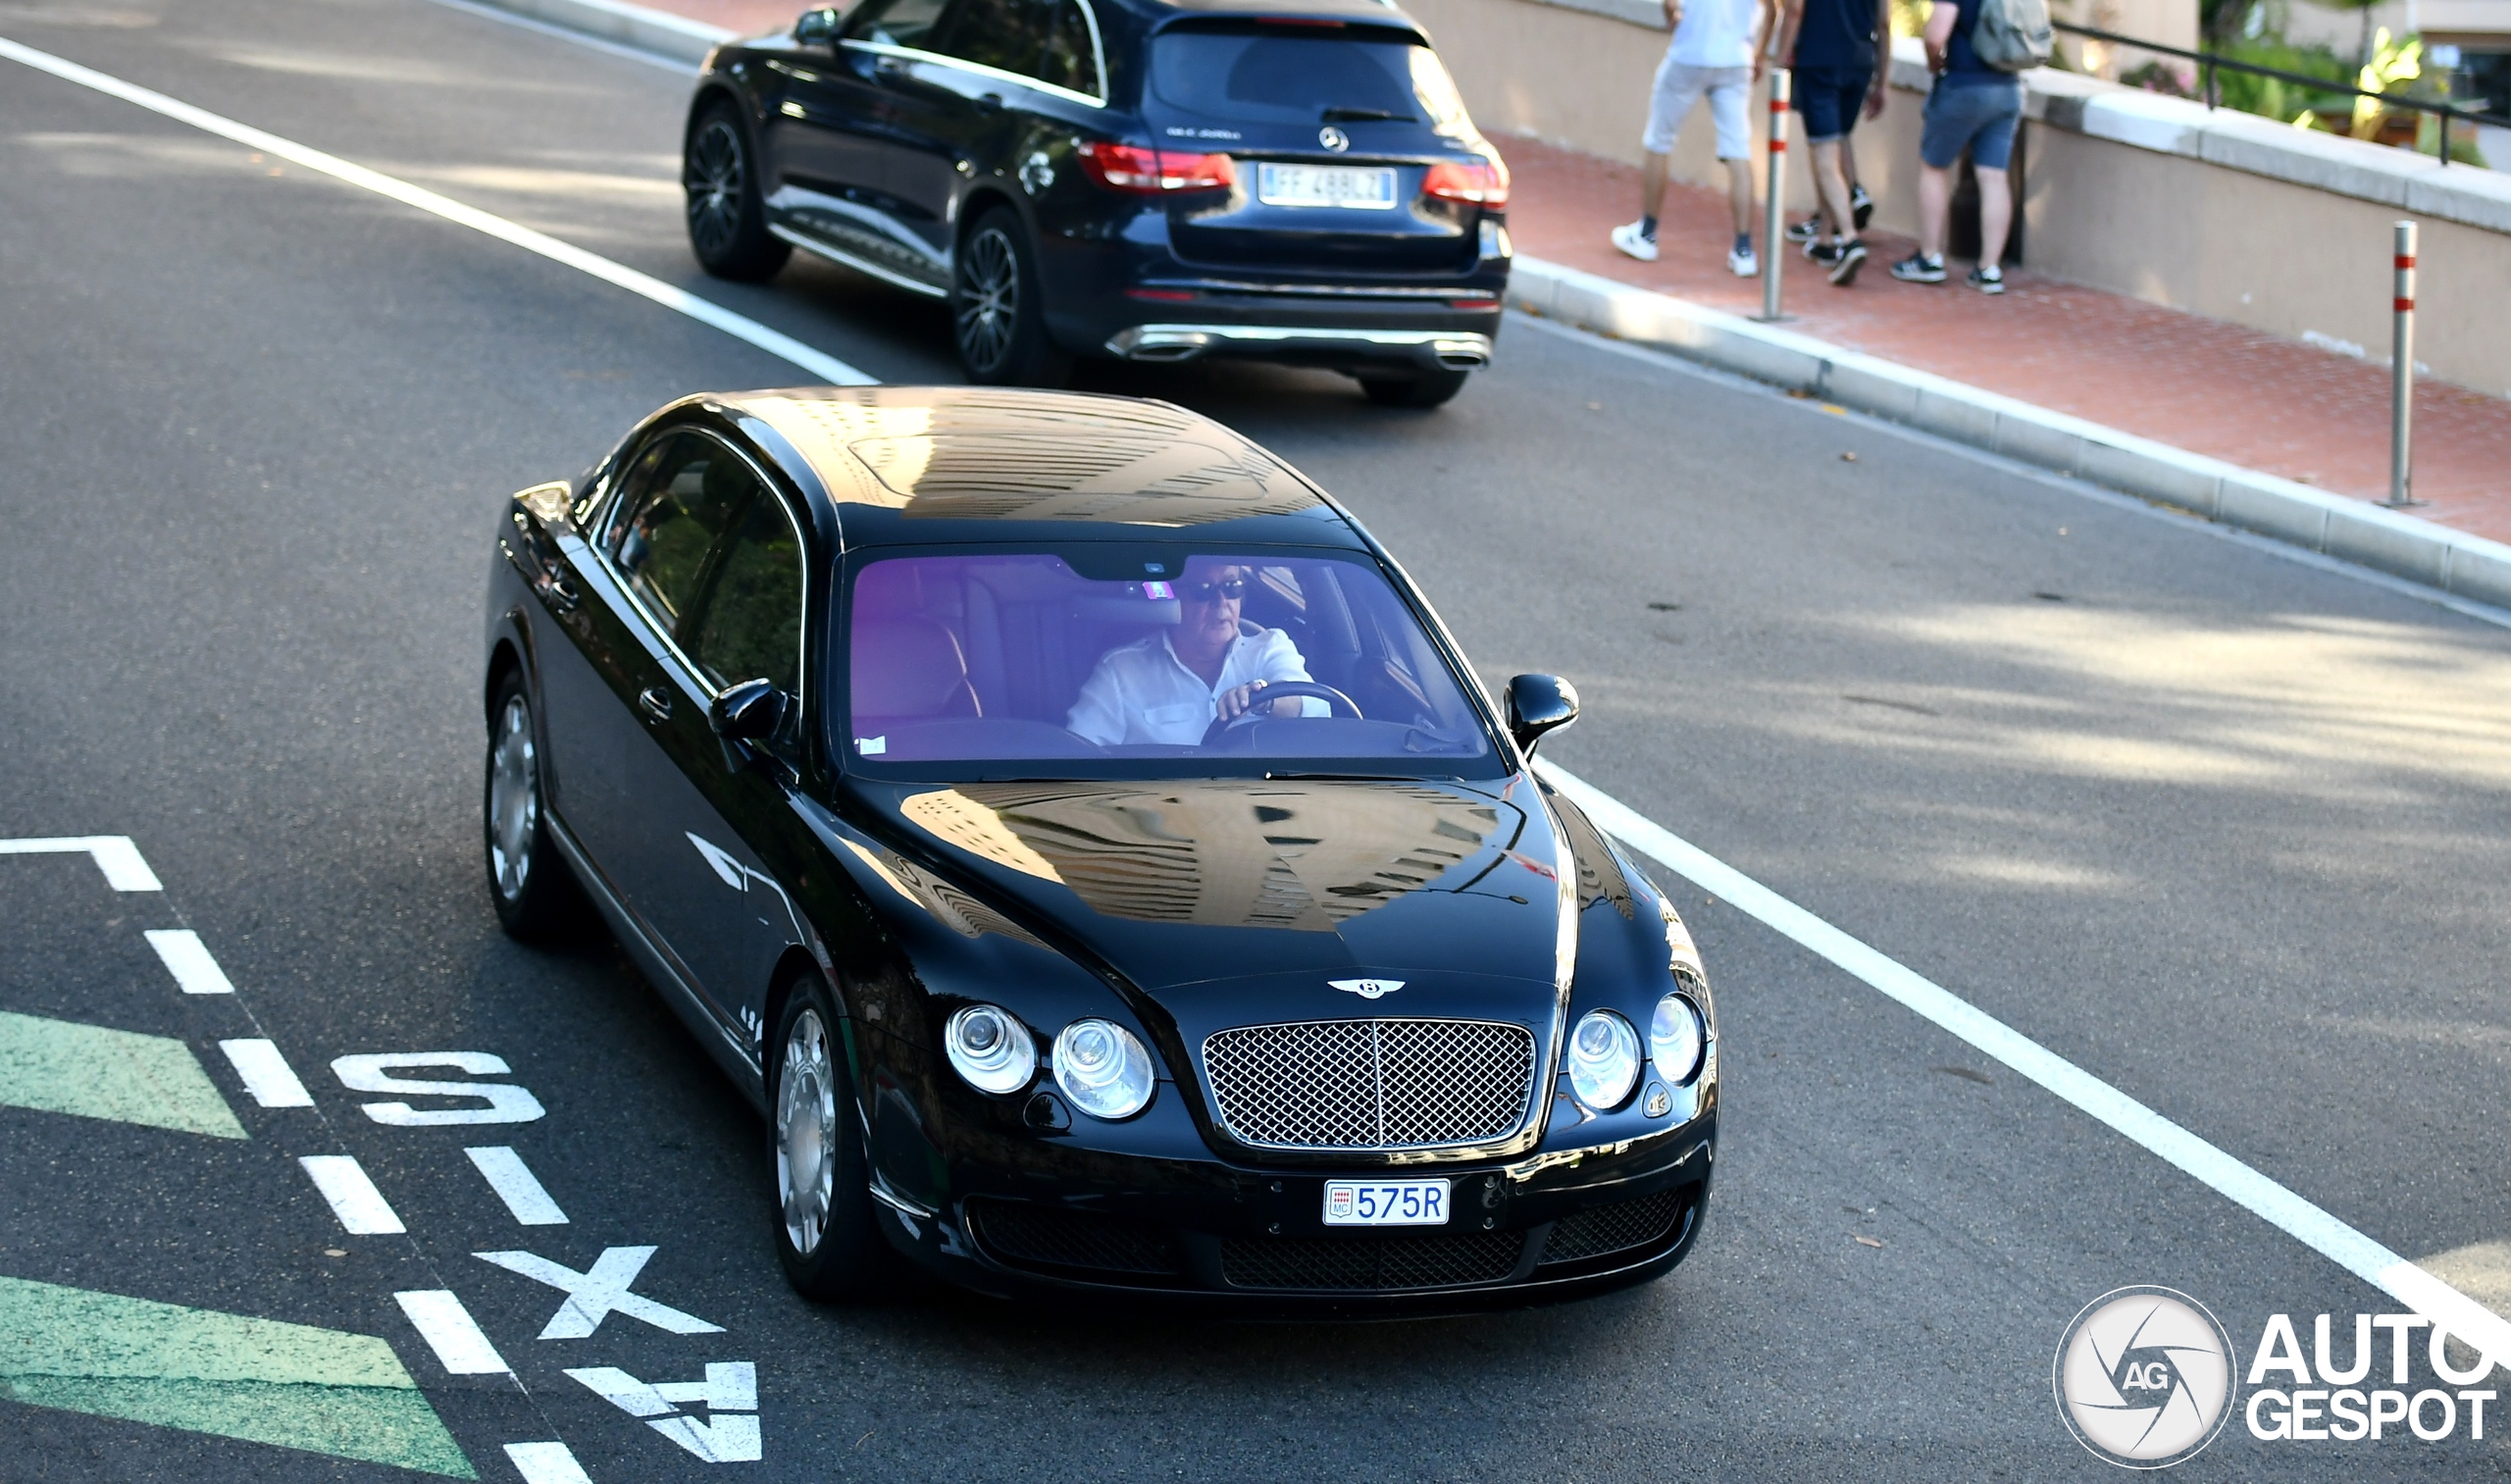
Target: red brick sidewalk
2197, 383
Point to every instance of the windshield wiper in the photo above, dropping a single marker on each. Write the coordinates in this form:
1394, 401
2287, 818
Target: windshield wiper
1364, 116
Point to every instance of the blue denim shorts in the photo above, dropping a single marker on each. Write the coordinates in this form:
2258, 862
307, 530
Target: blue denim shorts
1829, 98
1980, 115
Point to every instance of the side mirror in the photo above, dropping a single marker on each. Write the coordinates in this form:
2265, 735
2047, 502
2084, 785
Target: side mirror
1537, 704
748, 712
817, 27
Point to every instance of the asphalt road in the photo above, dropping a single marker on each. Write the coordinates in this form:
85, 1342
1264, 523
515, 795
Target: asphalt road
2223, 828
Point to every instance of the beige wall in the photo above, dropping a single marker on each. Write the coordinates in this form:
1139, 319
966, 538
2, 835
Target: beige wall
2268, 254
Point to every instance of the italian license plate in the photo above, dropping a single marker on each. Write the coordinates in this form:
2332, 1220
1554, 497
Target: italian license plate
1386, 1203
1363, 188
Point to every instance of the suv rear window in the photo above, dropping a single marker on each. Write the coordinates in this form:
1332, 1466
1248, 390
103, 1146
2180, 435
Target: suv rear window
1284, 77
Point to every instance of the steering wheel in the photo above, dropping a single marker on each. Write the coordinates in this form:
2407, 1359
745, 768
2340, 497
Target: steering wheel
1260, 708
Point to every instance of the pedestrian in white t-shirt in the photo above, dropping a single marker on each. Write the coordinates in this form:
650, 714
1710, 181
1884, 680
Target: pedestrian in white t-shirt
1714, 51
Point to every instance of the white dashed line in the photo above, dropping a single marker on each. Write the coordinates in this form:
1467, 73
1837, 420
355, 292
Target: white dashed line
2280, 1208
114, 854
360, 1207
544, 1462
515, 1185
449, 1330
819, 364
188, 958
267, 1074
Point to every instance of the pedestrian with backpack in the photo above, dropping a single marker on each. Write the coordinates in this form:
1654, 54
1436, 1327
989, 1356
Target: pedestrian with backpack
1975, 48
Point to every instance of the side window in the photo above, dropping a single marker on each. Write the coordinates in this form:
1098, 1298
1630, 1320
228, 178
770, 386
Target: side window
1010, 34
894, 23
1071, 60
684, 493
750, 626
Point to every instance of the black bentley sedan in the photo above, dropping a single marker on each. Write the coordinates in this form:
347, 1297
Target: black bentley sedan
1150, 180
1088, 848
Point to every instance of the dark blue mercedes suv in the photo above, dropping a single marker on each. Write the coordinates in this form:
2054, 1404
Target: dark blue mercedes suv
1295, 182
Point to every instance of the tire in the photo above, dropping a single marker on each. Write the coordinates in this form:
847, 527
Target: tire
1430, 389
821, 1207
535, 896
997, 314
727, 214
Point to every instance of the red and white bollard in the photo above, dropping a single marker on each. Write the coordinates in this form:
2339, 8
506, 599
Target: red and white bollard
2403, 374
1774, 223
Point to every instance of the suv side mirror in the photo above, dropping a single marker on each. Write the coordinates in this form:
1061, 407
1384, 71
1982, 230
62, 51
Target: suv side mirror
817, 27
748, 712
1537, 704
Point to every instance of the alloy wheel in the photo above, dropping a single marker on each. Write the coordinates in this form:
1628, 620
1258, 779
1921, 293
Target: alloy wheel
989, 312
714, 179
806, 1132
514, 799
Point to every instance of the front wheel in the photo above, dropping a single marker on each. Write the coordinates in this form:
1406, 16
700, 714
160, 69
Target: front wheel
997, 315
727, 211
824, 1218
528, 882
1430, 389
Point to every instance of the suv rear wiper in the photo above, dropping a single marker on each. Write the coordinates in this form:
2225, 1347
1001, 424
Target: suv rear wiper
1364, 116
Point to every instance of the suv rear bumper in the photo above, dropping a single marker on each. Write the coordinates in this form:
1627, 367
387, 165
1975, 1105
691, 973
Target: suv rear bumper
1424, 349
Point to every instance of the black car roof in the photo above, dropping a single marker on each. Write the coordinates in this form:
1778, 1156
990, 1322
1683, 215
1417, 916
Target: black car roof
952, 464
1356, 12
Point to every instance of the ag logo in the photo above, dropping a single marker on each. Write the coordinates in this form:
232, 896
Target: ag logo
1368, 989
1333, 138
2144, 1377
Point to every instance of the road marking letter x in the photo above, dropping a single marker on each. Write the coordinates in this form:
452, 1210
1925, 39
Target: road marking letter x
593, 1296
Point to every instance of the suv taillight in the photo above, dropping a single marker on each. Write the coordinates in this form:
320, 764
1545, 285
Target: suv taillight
1148, 172
1483, 183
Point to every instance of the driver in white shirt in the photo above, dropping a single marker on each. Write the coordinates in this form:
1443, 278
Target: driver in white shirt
1170, 686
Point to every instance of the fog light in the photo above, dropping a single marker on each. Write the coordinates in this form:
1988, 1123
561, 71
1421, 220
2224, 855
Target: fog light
990, 1048
1603, 1059
1675, 1039
1102, 1069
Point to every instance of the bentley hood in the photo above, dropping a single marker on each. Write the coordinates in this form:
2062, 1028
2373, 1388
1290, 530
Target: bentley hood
1307, 887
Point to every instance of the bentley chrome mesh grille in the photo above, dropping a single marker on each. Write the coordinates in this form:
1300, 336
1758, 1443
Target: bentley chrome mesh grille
1370, 1084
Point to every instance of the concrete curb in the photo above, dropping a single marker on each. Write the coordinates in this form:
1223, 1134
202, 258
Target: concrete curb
2351, 529
652, 31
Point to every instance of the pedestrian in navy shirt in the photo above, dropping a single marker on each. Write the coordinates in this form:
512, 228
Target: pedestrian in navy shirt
1972, 106
1836, 46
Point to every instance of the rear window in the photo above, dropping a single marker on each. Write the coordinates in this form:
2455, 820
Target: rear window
1287, 76
1014, 664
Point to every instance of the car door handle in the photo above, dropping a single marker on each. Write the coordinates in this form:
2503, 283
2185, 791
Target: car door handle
655, 702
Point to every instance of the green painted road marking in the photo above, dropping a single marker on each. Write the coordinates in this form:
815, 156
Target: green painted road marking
321, 1390
63, 1067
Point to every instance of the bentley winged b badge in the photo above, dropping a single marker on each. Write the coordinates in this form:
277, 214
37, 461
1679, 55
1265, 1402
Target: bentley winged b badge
1368, 989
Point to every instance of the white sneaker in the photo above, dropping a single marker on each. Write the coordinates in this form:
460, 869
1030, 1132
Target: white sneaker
1627, 239
1743, 264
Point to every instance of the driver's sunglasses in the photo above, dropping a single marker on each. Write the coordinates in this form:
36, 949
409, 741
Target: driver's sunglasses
1230, 588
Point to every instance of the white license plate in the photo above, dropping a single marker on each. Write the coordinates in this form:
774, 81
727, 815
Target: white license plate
1386, 1203
1364, 188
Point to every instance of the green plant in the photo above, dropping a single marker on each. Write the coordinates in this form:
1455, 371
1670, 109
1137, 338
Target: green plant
2274, 97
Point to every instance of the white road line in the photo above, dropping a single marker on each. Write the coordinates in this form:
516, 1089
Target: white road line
267, 1074
546, 1463
188, 958
2280, 1208
114, 854
515, 1185
360, 1207
447, 1327
826, 368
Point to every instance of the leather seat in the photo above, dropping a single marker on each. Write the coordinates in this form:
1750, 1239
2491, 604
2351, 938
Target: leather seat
909, 669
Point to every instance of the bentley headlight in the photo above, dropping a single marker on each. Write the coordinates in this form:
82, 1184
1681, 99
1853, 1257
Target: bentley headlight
1102, 1069
1603, 1059
1677, 1037
990, 1048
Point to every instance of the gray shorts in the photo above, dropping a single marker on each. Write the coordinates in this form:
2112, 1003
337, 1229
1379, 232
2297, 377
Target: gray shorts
1679, 86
